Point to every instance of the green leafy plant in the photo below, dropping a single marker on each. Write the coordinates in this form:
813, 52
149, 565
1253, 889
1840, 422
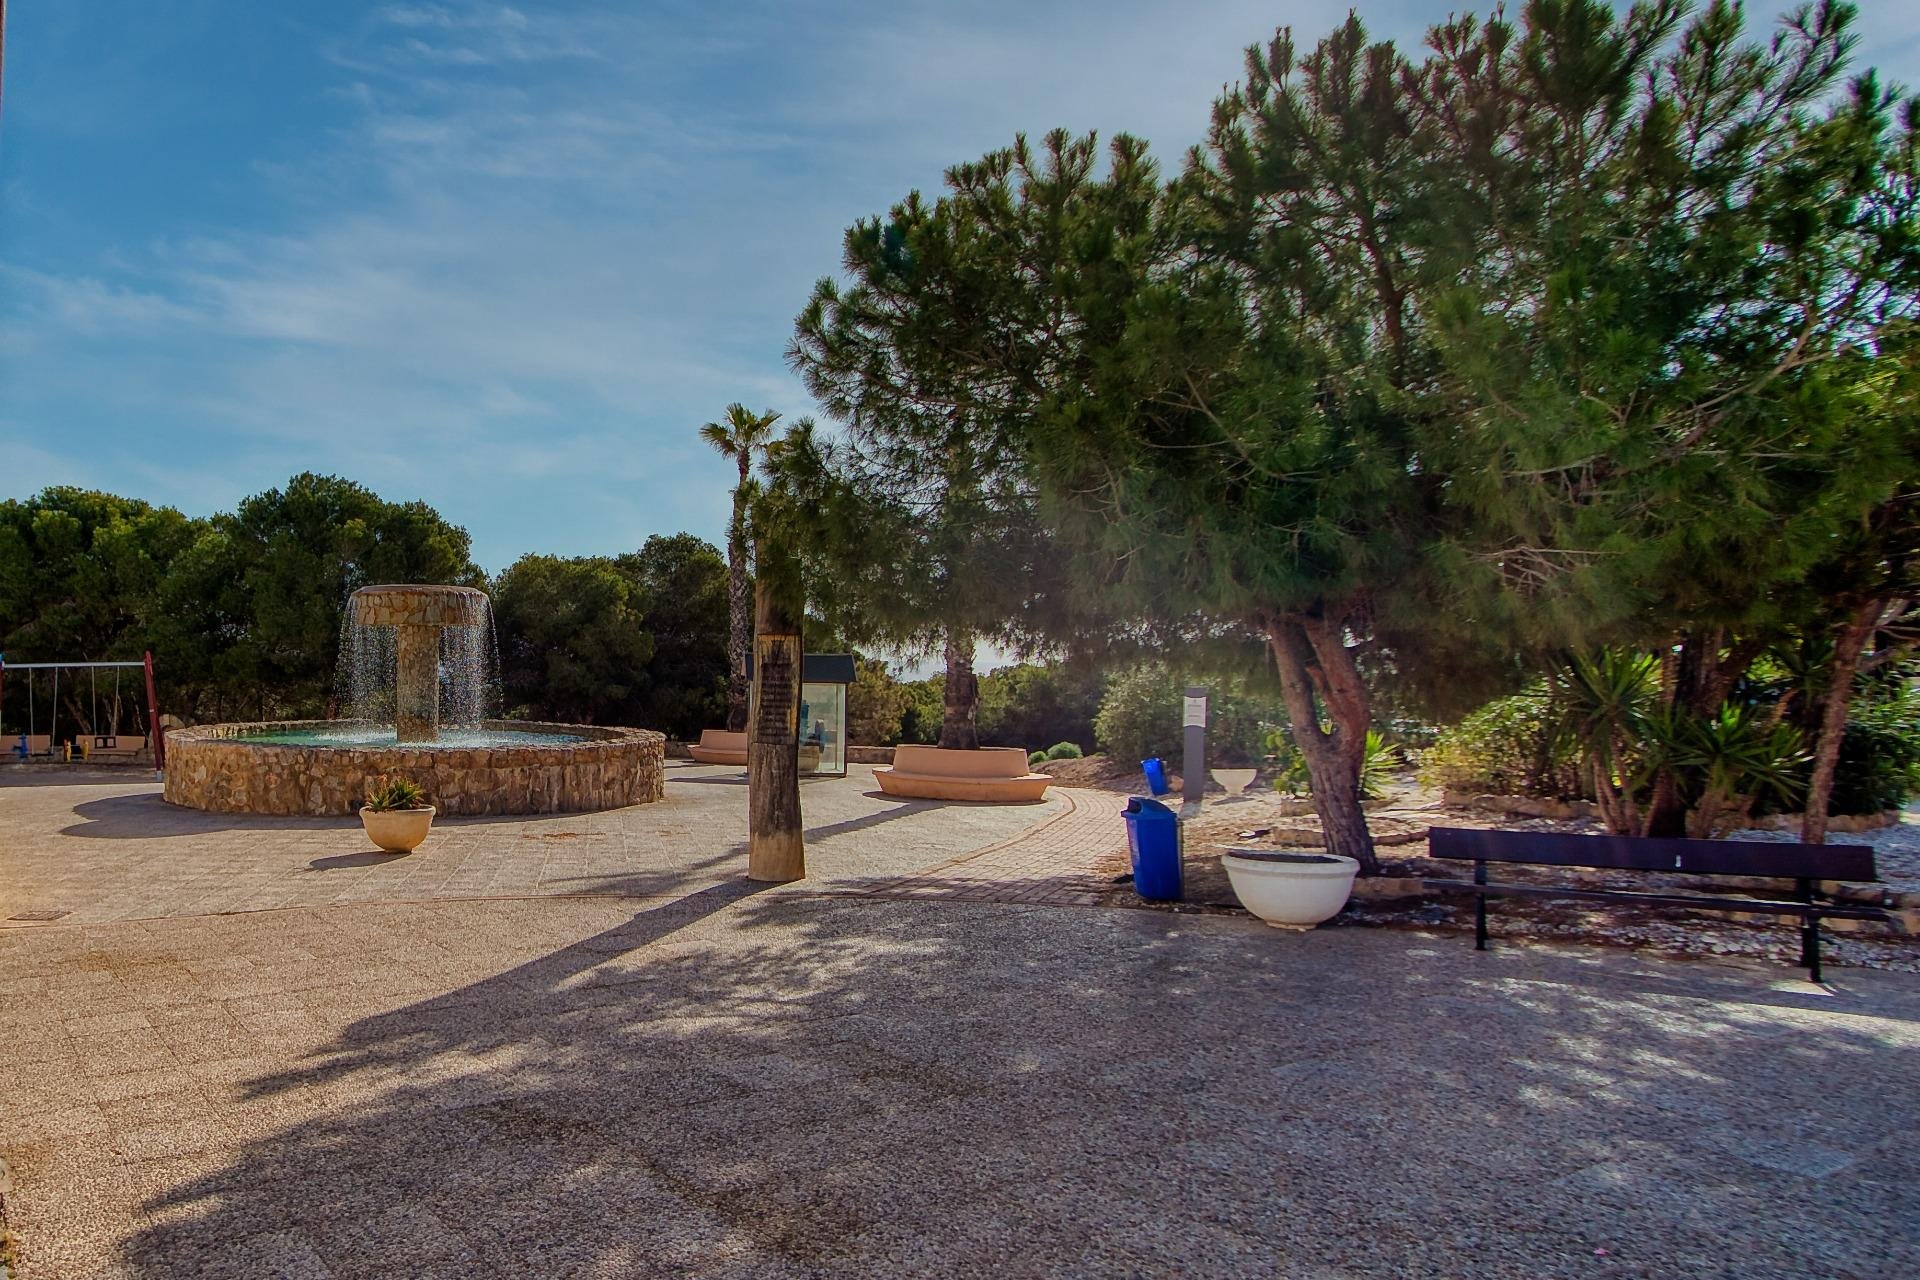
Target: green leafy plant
1879, 766
1377, 765
1064, 751
1036, 758
1507, 747
396, 793
1725, 762
1603, 703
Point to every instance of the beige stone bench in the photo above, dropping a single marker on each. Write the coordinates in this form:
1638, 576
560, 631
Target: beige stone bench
110, 748
989, 774
717, 746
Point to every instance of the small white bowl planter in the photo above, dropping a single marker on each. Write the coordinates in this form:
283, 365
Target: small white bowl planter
1290, 890
1234, 781
397, 830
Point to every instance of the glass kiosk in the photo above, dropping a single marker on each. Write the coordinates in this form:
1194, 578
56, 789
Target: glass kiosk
824, 678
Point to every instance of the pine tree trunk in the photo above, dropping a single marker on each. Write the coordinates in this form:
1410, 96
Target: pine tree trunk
958, 731
1847, 648
776, 844
739, 619
1316, 667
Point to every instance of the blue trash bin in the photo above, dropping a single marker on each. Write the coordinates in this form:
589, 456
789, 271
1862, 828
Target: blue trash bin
1153, 841
1156, 776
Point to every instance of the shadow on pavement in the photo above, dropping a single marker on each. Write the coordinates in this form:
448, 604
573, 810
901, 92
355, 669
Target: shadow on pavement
786, 1085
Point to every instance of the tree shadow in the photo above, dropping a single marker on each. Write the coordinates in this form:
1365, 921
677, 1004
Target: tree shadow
73, 775
784, 1085
144, 815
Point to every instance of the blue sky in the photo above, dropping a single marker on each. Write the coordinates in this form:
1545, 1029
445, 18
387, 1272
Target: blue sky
507, 258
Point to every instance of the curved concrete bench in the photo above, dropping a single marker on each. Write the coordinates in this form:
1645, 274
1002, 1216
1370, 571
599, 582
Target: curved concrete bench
990, 774
717, 746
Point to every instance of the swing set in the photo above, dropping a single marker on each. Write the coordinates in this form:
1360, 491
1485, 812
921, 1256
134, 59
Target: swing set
91, 744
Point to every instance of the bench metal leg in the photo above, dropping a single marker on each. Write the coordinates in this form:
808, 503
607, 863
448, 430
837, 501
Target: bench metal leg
1810, 947
1809, 932
1480, 908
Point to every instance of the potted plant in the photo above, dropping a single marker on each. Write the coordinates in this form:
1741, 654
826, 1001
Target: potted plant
1290, 890
396, 815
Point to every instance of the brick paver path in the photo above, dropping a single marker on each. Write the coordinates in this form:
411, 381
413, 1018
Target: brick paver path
1058, 861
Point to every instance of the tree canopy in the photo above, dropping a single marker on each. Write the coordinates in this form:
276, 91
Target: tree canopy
1534, 341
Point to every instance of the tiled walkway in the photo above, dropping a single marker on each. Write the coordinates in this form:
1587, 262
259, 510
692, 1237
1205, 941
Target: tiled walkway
92, 847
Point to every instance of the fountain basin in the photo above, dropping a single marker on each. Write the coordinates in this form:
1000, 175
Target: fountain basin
526, 767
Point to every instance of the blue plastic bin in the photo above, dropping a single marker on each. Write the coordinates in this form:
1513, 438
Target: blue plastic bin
1153, 841
1156, 776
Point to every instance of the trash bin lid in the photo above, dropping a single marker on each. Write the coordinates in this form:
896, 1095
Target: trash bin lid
1142, 804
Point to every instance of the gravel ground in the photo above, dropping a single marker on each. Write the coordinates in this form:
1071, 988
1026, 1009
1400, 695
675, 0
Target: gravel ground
1400, 825
768, 1085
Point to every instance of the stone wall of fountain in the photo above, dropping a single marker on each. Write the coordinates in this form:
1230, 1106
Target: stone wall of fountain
226, 768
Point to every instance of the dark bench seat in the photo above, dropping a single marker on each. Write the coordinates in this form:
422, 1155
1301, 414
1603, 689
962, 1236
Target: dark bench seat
1805, 864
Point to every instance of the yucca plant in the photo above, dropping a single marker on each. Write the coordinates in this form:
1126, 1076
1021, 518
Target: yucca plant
1727, 762
1603, 706
1377, 763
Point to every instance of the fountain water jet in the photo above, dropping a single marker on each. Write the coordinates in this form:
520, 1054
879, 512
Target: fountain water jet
420, 618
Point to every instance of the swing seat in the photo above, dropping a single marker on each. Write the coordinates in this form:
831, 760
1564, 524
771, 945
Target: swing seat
39, 745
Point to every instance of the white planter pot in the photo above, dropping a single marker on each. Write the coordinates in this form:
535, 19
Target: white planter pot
397, 830
1234, 781
1291, 890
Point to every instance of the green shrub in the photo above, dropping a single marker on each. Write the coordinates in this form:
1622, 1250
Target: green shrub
1028, 704
1140, 717
876, 704
1035, 759
1507, 747
1064, 751
1879, 766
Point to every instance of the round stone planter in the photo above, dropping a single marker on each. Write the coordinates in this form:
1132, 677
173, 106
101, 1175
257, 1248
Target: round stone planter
1290, 890
397, 830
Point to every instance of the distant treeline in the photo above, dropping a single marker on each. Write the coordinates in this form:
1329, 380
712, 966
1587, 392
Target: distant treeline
242, 610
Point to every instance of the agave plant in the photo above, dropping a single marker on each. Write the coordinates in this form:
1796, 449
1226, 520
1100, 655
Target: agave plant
396, 793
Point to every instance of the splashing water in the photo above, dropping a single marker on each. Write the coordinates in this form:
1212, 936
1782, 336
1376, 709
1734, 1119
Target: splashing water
368, 672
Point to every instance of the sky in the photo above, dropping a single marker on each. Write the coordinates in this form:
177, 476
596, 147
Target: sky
507, 258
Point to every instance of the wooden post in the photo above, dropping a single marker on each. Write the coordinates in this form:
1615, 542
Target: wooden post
776, 848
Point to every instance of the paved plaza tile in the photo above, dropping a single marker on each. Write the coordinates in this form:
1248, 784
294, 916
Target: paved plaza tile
584, 1046
104, 846
732, 1083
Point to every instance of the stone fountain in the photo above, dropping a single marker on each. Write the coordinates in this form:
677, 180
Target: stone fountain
420, 617
418, 675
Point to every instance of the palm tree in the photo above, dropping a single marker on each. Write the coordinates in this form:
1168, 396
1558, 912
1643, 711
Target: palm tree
740, 435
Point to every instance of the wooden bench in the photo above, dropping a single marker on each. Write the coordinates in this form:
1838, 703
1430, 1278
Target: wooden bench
1805, 864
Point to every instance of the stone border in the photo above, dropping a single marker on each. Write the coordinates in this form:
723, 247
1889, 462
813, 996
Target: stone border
213, 767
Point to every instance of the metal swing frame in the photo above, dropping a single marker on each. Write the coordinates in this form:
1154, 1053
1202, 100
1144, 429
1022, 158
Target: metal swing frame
155, 732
